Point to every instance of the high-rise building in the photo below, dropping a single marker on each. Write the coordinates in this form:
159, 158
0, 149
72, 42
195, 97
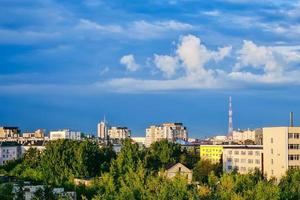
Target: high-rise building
119, 133
169, 131
281, 148
102, 130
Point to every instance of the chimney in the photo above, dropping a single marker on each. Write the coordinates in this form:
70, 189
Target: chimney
291, 119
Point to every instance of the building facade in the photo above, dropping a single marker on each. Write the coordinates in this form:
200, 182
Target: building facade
65, 134
9, 151
119, 133
40, 133
102, 130
169, 131
179, 169
212, 153
9, 132
281, 148
241, 136
242, 158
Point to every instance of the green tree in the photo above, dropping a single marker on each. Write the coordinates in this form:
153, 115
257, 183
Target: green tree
290, 185
202, 169
6, 191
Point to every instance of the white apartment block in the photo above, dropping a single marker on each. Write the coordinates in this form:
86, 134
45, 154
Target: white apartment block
9, 151
281, 148
119, 133
65, 134
243, 158
169, 131
243, 135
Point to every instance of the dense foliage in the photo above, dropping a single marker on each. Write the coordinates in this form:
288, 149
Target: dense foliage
137, 173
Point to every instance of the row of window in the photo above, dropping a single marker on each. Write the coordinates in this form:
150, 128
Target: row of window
210, 155
294, 146
294, 157
257, 153
294, 167
243, 169
216, 150
243, 160
294, 135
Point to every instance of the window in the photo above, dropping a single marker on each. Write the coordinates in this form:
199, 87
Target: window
257, 153
229, 152
229, 167
250, 161
236, 152
243, 152
236, 160
293, 157
229, 159
291, 135
296, 135
272, 140
294, 146
243, 160
250, 152
272, 151
272, 161
257, 161
179, 169
243, 169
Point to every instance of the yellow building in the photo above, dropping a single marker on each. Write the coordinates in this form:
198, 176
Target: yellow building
211, 152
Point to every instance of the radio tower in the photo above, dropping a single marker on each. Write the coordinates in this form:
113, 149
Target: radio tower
230, 126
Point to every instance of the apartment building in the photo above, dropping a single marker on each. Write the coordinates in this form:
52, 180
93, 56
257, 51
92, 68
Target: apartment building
243, 158
119, 133
169, 131
102, 130
40, 133
244, 136
281, 148
212, 153
65, 134
9, 151
9, 132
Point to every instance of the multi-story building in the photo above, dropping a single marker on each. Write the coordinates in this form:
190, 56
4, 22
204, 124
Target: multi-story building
9, 151
119, 133
65, 134
169, 131
242, 136
243, 158
139, 140
281, 148
212, 153
9, 132
36, 134
102, 130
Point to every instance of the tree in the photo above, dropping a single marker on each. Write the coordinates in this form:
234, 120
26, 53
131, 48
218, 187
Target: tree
202, 169
290, 185
6, 191
162, 153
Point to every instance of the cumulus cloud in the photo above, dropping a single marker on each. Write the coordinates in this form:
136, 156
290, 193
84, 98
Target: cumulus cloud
278, 64
167, 64
129, 62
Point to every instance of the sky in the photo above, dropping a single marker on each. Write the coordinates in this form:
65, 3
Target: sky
67, 64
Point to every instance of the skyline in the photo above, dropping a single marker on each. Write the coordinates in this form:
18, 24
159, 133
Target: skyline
66, 65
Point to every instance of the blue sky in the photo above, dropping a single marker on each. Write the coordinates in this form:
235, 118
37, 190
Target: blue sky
66, 64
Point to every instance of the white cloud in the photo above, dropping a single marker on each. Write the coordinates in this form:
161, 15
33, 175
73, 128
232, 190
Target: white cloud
167, 64
129, 62
85, 24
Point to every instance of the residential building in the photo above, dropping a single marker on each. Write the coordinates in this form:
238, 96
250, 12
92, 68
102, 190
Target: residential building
242, 158
212, 153
9, 151
281, 148
65, 134
9, 132
119, 133
36, 134
102, 130
37, 144
240, 136
169, 131
219, 139
179, 169
140, 140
